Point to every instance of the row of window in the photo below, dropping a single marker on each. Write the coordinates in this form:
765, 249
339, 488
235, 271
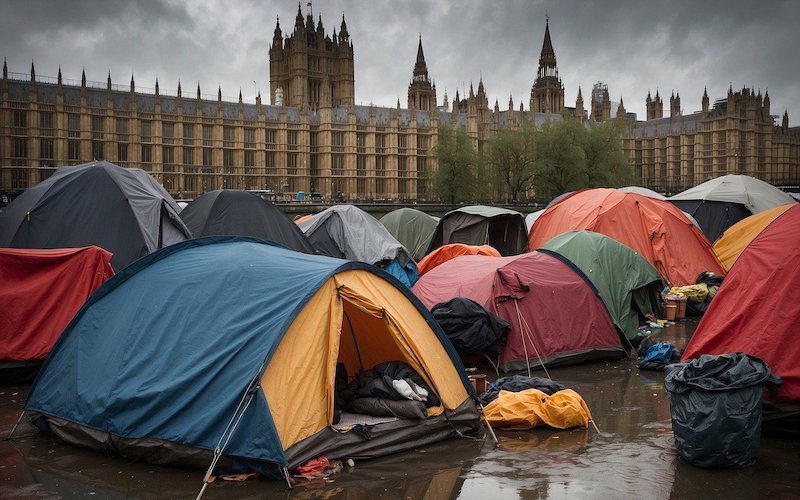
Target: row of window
46, 122
47, 152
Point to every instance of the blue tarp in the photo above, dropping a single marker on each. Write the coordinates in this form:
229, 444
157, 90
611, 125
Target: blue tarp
170, 354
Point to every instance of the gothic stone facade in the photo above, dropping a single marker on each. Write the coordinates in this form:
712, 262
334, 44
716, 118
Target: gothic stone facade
735, 136
313, 138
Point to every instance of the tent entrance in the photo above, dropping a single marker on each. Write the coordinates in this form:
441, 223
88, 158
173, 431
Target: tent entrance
360, 319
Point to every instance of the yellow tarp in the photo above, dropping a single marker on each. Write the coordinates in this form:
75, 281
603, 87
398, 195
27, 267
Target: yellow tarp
359, 319
695, 293
529, 408
736, 238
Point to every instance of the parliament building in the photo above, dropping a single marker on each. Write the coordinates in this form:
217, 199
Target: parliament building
312, 138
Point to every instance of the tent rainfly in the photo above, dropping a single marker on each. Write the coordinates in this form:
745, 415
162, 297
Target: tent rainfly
242, 341
122, 210
481, 225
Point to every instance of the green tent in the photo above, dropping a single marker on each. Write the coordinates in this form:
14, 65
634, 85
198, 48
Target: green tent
412, 228
626, 282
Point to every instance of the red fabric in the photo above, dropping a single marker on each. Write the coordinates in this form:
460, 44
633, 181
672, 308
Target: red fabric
313, 468
555, 303
756, 310
40, 292
656, 229
451, 251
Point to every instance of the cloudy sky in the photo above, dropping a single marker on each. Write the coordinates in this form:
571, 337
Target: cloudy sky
631, 45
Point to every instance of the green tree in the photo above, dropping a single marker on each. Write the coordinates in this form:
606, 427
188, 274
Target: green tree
455, 178
561, 161
606, 163
511, 157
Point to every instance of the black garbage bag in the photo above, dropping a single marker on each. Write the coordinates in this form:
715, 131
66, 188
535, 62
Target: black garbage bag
471, 328
716, 402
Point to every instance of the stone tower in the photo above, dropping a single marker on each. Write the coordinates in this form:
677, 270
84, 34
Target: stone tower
421, 94
654, 107
547, 93
308, 59
601, 103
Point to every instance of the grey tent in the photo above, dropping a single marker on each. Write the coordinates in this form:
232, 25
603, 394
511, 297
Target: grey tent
721, 202
241, 213
501, 228
123, 210
347, 232
643, 191
412, 228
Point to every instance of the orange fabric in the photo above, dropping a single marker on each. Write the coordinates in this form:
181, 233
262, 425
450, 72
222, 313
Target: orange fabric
530, 408
354, 307
656, 229
451, 251
736, 238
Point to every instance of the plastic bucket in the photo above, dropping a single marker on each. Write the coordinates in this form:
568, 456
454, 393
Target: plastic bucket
681, 309
478, 383
671, 310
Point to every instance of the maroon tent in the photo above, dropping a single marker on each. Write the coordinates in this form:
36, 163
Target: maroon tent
40, 292
556, 317
756, 310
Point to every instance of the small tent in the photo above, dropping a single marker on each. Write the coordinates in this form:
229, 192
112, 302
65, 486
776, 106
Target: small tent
234, 344
481, 225
347, 232
736, 238
655, 229
719, 203
123, 210
555, 315
451, 251
531, 218
413, 229
241, 213
755, 310
40, 292
629, 285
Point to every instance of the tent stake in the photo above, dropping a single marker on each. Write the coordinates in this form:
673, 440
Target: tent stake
595, 425
488, 425
15, 426
288, 479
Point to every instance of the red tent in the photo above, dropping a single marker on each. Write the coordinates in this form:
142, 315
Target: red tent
554, 314
40, 292
756, 310
656, 229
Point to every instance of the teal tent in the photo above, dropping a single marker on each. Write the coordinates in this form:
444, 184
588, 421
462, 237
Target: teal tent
627, 283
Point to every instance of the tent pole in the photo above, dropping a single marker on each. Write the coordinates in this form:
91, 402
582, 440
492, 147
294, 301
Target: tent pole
287, 477
488, 425
22, 413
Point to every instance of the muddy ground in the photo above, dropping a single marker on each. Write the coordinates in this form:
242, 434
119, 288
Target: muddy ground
633, 456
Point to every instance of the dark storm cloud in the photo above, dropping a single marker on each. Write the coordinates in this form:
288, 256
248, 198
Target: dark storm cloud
633, 46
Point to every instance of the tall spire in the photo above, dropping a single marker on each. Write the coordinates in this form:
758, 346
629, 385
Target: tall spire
33, 72
343, 34
547, 59
420, 68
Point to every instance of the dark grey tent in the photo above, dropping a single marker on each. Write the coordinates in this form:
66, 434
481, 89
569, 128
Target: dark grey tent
481, 225
123, 210
719, 203
241, 213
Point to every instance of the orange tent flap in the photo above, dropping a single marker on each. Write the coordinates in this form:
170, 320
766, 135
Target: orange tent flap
527, 409
451, 251
737, 237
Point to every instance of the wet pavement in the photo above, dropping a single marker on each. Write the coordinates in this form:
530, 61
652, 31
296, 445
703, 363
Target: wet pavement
633, 456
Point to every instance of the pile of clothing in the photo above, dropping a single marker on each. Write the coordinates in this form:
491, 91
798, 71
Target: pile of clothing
390, 389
